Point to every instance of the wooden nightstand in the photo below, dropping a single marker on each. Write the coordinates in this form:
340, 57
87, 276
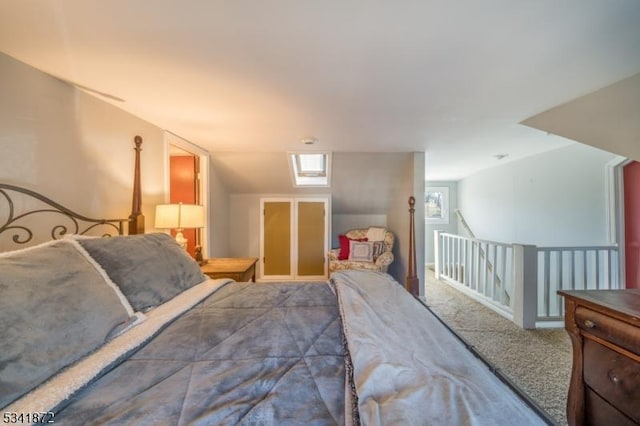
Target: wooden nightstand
238, 269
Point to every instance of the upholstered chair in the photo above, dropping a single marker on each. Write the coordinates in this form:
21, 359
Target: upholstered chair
378, 262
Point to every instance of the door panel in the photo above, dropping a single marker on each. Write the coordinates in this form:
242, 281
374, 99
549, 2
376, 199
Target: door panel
311, 238
277, 238
631, 173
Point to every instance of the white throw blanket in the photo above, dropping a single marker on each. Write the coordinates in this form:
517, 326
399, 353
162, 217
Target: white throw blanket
376, 234
409, 369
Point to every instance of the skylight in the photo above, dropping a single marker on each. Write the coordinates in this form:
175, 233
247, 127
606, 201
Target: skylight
310, 169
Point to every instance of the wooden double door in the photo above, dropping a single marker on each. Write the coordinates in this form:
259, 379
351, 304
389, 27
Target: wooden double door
294, 238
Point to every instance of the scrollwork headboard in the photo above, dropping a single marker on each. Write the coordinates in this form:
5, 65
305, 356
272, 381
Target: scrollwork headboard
27, 216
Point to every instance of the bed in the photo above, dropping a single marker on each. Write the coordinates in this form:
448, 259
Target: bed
127, 330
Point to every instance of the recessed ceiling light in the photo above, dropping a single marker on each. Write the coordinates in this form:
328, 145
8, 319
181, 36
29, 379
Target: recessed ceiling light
309, 141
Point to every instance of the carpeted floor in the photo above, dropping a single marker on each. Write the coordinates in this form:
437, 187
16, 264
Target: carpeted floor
537, 361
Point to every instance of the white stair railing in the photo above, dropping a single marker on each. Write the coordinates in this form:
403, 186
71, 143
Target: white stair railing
490, 272
482, 269
497, 277
573, 268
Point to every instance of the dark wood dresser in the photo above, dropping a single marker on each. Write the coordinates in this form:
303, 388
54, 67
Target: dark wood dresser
604, 327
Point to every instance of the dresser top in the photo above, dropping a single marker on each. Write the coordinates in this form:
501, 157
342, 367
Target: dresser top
228, 265
626, 302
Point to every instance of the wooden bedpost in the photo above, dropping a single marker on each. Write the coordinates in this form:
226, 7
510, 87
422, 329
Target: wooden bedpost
413, 283
136, 219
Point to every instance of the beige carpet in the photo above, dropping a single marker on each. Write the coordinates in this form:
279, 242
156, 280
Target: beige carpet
537, 361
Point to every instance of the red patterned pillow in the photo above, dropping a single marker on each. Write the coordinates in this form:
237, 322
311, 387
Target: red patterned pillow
344, 246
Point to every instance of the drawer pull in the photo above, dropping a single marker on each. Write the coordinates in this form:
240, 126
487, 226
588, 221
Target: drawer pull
589, 324
615, 379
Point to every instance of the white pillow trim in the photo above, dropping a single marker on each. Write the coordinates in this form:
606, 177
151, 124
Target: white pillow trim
65, 383
103, 273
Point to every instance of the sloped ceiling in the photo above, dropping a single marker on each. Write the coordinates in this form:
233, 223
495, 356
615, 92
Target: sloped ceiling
358, 180
451, 78
608, 118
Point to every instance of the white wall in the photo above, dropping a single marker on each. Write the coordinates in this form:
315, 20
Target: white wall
552, 199
244, 225
219, 211
451, 227
73, 147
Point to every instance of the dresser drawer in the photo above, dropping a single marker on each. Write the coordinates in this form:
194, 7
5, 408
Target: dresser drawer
599, 412
609, 329
614, 377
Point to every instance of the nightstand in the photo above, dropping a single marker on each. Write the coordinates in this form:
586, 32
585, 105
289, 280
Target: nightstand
241, 269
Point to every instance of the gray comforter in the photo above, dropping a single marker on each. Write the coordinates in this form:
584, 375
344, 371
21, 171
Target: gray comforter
249, 354
358, 350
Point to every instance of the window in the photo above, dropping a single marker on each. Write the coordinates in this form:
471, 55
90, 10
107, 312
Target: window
310, 169
436, 205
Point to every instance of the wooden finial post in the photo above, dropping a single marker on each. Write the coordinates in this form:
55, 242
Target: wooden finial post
413, 283
136, 219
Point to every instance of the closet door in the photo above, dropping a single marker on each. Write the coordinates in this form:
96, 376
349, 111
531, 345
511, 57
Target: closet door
277, 231
311, 238
294, 238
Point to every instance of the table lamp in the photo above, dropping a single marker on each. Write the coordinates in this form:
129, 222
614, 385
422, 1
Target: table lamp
179, 216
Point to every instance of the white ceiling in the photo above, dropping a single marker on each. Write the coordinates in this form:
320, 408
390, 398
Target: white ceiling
452, 78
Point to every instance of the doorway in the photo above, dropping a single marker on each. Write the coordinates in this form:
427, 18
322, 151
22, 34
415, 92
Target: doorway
631, 197
187, 182
184, 187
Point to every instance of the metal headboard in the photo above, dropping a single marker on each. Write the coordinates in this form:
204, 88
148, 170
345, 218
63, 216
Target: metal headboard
18, 214
67, 220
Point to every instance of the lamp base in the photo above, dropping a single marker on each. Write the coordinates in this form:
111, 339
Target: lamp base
180, 239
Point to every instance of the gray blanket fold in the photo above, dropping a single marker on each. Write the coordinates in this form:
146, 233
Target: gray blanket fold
408, 369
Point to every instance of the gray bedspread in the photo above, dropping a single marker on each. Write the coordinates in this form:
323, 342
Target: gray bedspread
284, 353
263, 354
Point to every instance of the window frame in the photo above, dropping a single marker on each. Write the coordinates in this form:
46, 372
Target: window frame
443, 219
302, 179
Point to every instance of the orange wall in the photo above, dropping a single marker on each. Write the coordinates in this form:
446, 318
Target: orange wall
183, 190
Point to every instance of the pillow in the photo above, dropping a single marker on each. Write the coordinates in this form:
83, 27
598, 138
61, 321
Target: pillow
55, 308
378, 249
344, 246
361, 251
150, 269
376, 234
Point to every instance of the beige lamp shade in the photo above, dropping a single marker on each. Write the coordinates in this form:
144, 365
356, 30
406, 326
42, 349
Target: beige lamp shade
179, 216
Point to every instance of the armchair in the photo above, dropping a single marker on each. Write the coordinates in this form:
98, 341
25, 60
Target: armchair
380, 263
